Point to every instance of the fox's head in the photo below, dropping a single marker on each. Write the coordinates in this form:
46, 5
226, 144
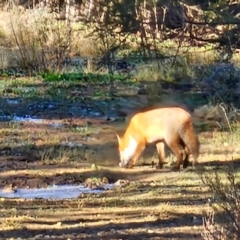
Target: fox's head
127, 147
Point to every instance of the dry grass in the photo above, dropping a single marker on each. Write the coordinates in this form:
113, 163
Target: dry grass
155, 213
164, 206
156, 204
36, 39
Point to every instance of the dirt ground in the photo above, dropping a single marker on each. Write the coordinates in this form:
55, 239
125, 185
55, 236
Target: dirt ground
37, 155
155, 204
62, 149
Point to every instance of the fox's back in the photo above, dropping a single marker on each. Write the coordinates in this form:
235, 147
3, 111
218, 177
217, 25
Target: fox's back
161, 116
154, 123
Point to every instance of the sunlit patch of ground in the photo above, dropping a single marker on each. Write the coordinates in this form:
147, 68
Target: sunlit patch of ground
158, 209
156, 204
62, 149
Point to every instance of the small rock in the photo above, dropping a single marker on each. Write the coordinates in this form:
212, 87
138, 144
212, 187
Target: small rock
113, 231
122, 183
39, 236
142, 91
100, 233
150, 231
152, 184
82, 195
105, 180
94, 167
46, 236
58, 224
10, 188
225, 144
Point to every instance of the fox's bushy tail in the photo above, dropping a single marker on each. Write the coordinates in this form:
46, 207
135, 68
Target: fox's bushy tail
190, 139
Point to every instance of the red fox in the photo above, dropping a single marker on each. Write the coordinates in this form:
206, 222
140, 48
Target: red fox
168, 125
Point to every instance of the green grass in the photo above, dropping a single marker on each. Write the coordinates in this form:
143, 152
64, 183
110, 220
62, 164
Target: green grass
152, 204
165, 205
84, 77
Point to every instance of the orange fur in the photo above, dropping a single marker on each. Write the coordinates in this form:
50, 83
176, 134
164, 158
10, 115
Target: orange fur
169, 125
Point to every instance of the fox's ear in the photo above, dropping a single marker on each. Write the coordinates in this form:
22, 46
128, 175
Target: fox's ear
119, 139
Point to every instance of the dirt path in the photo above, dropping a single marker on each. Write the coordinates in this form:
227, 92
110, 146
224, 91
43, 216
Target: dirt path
153, 204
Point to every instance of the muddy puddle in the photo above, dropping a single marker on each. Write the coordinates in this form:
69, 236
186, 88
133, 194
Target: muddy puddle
56, 192
27, 119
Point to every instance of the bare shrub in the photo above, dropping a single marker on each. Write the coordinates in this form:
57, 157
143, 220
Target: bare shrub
42, 41
211, 230
225, 188
37, 41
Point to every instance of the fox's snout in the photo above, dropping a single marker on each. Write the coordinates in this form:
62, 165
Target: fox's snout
121, 165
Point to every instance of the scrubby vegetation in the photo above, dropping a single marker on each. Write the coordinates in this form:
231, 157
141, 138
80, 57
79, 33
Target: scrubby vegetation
71, 74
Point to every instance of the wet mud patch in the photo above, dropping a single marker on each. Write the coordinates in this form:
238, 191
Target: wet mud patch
66, 100
53, 192
139, 209
67, 149
59, 175
57, 186
60, 179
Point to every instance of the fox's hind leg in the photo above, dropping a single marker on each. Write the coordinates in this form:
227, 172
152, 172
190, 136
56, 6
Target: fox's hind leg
175, 147
161, 154
186, 151
186, 162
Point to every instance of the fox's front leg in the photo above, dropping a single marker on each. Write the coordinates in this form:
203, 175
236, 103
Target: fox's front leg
136, 155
